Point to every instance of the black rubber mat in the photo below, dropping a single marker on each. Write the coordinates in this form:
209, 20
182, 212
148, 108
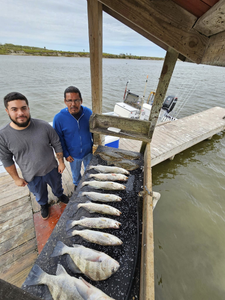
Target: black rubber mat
120, 284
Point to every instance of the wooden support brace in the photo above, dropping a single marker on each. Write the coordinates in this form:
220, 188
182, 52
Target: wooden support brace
95, 42
121, 127
166, 74
147, 290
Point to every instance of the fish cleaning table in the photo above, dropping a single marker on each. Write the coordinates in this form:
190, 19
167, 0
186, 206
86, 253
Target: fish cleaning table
124, 284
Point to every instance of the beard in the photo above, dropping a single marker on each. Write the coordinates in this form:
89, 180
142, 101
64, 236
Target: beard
24, 124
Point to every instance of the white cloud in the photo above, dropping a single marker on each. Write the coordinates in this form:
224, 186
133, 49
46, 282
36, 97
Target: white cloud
63, 25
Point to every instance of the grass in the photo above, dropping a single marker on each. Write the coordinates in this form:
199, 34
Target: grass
9, 49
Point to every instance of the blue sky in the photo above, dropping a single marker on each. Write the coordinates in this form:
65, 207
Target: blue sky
63, 25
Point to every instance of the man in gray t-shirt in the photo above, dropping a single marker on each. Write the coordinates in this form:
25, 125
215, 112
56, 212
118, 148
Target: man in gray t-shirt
30, 142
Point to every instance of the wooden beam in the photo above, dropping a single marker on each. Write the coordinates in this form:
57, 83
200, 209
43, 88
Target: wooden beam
215, 52
145, 34
147, 290
166, 74
164, 20
213, 21
129, 128
94, 9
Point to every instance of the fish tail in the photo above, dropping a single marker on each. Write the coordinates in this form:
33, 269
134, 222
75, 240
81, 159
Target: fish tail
72, 233
35, 276
59, 249
69, 224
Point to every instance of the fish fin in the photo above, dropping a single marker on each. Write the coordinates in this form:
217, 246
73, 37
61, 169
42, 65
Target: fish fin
60, 270
85, 282
35, 276
71, 264
69, 224
74, 208
58, 250
78, 245
70, 233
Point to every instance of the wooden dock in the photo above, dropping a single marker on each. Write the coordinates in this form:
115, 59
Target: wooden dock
171, 138
19, 244
22, 233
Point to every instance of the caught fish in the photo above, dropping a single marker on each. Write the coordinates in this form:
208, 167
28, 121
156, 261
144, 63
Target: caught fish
65, 287
104, 185
108, 156
101, 197
125, 163
109, 176
94, 264
109, 169
128, 154
99, 208
97, 237
62, 286
99, 223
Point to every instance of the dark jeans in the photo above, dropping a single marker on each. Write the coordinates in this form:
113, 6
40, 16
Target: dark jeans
38, 186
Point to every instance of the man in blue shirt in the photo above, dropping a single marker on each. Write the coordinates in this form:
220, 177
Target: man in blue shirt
72, 126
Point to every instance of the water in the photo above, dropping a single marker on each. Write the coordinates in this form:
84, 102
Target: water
189, 219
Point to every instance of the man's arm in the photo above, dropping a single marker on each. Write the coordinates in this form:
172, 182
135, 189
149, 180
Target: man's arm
61, 166
14, 174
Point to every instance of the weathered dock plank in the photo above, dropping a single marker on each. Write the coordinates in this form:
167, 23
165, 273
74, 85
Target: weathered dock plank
18, 244
171, 138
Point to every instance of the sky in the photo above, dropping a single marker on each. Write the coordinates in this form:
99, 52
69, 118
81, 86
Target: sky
63, 25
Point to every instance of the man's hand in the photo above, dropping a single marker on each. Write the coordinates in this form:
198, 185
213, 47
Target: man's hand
61, 167
20, 182
69, 159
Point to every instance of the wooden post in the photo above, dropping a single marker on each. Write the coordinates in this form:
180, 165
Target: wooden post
166, 74
147, 286
95, 43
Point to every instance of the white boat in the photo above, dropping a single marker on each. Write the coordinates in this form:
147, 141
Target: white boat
135, 107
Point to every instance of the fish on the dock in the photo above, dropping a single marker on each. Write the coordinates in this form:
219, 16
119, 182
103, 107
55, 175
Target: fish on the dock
94, 264
109, 169
99, 208
62, 286
99, 223
128, 154
100, 197
108, 156
109, 176
104, 185
65, 287
97, 237
125, 163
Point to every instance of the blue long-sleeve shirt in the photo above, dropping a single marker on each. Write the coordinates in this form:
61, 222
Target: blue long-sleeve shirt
75, 136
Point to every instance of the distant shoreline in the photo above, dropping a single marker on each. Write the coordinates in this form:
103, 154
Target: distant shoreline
10, 49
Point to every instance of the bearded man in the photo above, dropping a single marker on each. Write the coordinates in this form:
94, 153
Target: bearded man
30, 143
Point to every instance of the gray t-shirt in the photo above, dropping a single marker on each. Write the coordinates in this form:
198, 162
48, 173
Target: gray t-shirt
32, 148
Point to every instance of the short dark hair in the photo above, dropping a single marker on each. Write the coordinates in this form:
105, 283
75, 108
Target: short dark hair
14, 96
72, 89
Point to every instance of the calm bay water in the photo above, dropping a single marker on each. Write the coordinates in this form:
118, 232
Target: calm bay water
189, 220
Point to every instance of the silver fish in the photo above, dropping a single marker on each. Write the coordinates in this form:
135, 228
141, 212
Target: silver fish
109, 176
94, 264
124, 163
62, 286
97, 237
99, 208
99, 223
101, 197
65, 287
109, 169
90, 292
104, 185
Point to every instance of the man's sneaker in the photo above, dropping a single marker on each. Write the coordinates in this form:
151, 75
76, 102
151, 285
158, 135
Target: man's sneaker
44, 211
64, 199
